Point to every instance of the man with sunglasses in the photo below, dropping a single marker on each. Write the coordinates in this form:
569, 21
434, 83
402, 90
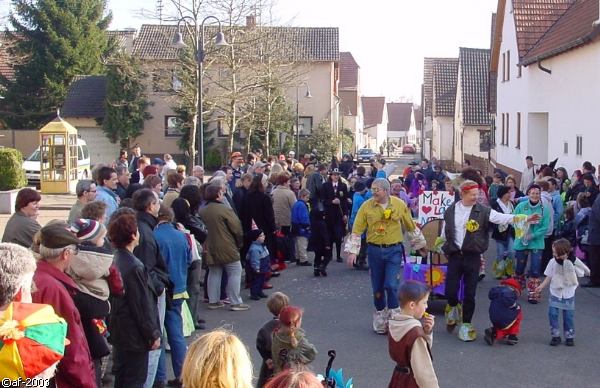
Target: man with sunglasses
58, 246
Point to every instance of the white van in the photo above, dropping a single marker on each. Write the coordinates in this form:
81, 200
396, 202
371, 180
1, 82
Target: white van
31, 165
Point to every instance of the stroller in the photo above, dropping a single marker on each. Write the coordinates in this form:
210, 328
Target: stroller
334, 378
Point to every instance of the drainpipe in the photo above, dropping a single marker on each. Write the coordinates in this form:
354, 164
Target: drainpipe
542, 68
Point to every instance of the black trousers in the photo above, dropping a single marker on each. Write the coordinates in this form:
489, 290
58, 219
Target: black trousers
594, 261
194, 289
130, 368
322, 258
464, 267
547, 252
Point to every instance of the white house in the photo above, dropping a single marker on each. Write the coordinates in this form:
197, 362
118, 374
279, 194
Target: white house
545, 65
375, 121
443, 100
472, 121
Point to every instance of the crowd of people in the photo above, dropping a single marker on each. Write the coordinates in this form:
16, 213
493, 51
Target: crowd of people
145, 246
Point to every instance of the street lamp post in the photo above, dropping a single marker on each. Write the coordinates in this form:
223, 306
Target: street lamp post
306, 95
178, 42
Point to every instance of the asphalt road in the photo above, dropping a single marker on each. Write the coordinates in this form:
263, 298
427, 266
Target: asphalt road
338, 313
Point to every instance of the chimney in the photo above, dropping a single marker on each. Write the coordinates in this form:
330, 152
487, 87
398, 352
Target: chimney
251, 21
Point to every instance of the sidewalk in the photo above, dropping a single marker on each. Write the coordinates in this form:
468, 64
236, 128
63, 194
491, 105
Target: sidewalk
51, 207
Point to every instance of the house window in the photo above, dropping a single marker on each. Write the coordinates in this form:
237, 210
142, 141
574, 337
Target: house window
484, 141
579, 145
508, 65
222, 127
518, 130
566, 147
519, 71
306, 125
175, 82
172, 126
507, 129
503, 67
503, 129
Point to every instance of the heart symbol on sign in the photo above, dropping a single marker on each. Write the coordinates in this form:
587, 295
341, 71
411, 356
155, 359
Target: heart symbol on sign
426, 209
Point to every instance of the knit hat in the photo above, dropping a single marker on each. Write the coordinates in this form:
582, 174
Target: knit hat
359, 186
513, 283
87, 230
150, 170
254, 234
502, 190
56, 236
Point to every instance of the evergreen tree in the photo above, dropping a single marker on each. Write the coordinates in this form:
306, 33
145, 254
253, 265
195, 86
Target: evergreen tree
126, 100
55, 40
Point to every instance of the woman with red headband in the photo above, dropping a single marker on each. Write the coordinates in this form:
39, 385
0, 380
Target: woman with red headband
466, 233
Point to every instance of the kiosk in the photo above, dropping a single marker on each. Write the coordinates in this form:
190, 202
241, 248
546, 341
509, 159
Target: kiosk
58, 157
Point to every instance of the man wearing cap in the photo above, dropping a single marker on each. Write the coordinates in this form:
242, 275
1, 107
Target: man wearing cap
236, 166
466, 224
335, 199
53, 286
158, 163
383, 218
259, 167
292, 155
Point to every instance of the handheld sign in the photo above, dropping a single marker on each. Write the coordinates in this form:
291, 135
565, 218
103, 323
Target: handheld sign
433, 204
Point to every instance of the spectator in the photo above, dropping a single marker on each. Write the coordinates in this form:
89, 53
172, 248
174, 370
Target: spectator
17, 266
217, 359
591, 188
290, 348
515, 193
258, 261
181, 170
594, 245
86, 192
295, 379
175, 182
295, 186
198, 172
276, 302
169, 165
528, 174
53, 286
249, 165
301, 227
240, 191
192, 181
176, 250
361, 194
95, 210
136, 155
122, 159
335, 198
315, 183
493, 188
137, 175
154, 183
308, 171
561, 177
23, 225
260, 168
146, 204
134, 325
503, 235
123, 177
283, 201
235, 164
107, 183
582, 225
223, 244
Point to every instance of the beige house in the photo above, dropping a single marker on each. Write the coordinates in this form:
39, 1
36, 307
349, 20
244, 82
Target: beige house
314, 53
472, 121
350, 107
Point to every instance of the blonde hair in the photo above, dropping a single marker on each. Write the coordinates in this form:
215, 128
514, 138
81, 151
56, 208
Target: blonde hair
276, 302
217, 360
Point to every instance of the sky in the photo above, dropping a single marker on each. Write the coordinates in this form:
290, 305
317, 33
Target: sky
388, 38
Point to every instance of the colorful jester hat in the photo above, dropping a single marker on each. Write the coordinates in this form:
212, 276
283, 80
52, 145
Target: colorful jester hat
32, 339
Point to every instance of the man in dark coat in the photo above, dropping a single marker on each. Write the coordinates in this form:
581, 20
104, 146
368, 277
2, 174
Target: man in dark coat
594, 245
335, 198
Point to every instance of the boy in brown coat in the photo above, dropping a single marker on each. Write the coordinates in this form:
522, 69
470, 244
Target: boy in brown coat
410, 340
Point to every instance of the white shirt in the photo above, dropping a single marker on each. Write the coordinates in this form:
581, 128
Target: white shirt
461, 216
169, 165
527, 176
558, 288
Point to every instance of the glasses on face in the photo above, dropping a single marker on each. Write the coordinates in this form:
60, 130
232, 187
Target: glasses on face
377, 189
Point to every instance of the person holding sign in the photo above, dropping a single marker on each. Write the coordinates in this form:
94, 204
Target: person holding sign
383, 218
466, 224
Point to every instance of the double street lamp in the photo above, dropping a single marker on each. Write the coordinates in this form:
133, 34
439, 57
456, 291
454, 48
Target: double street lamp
306, 95
178, 42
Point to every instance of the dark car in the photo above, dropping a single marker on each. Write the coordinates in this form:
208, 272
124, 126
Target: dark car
365, 155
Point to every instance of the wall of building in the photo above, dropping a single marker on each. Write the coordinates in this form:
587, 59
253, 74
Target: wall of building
568, 98
442, 137
24, 140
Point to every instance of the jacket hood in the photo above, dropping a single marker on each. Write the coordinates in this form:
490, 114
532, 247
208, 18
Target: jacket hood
284, 336
400, 324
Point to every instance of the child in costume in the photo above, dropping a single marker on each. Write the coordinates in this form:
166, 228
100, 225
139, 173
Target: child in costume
290, 348
505, 312
410, 338
503, 235
319, 241
561, 274
258, 260
264, 339
301, 227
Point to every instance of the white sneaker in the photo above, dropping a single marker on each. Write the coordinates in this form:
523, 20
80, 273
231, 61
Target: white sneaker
380, 322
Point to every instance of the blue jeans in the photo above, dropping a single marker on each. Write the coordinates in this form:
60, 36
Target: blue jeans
504, 249
154, 355
568, 322
174, 329
384, 264
535, 267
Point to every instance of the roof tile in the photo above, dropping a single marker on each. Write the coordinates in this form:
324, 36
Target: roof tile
372, 110
348, 72
85, 97
474, 64
445, 74
399, 115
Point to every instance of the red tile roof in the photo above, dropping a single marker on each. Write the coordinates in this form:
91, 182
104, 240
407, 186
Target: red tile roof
573, 29
474, 65
348, 72
5, 60
534, 17
399, 115
373, 108
445, 75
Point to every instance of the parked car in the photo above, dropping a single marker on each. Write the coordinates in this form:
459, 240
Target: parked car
32, 163
365, 155
409, 149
